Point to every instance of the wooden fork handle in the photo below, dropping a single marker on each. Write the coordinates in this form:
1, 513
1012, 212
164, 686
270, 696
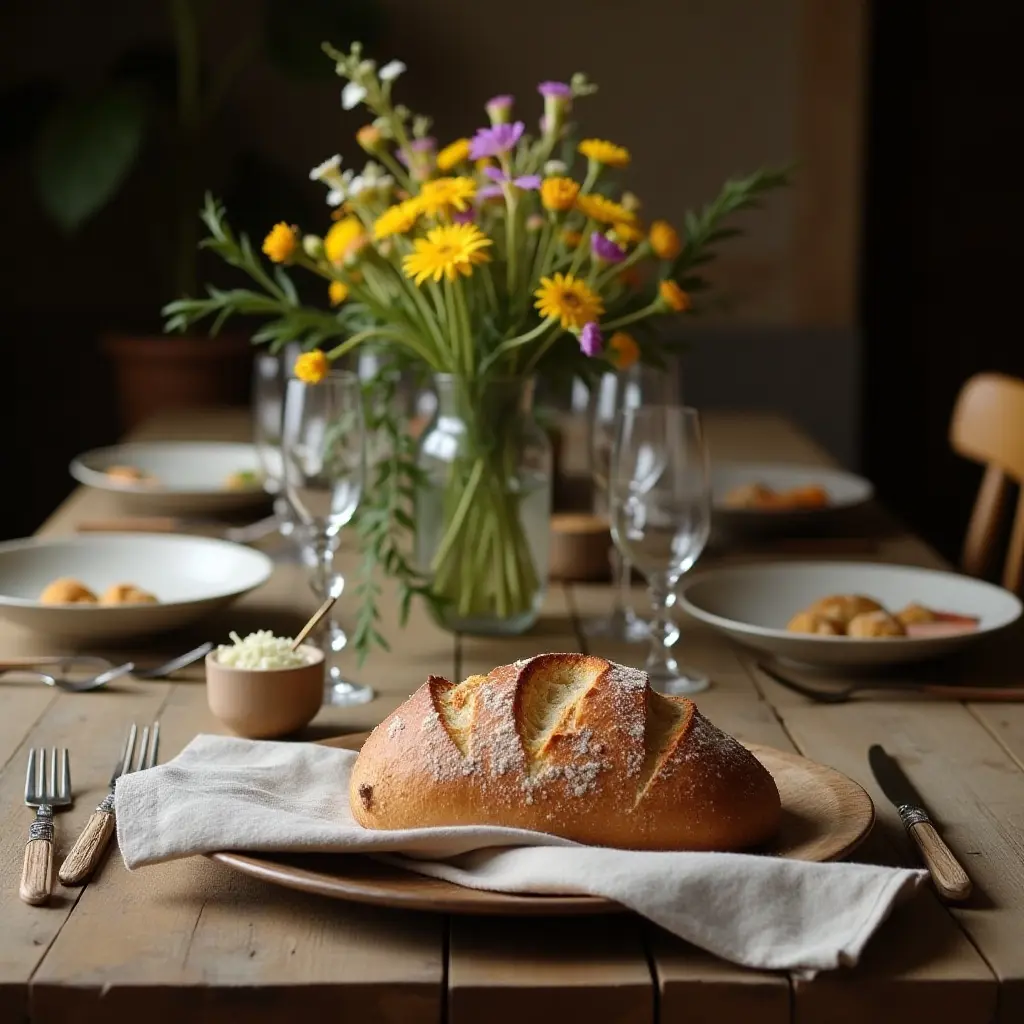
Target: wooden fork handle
37, 867
950, 879
88, 849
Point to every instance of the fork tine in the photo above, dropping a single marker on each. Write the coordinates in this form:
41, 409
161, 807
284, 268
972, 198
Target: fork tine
65, 774
143, 749
54, 779
41, 773
154, 749
129, 750
30, 775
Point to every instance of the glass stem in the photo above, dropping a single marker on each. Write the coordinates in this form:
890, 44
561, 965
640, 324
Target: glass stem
619, 565
663, 630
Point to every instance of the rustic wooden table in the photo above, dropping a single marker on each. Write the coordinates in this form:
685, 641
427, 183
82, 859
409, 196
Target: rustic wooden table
192, 941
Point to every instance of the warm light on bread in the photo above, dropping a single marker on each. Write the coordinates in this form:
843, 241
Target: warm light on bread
568, 744
67, 591
127, 593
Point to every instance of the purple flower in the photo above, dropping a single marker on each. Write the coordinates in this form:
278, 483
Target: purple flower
466, 216
495, 141
426, 145
499, 108
591, 341
559, 89
605, 249
496, 174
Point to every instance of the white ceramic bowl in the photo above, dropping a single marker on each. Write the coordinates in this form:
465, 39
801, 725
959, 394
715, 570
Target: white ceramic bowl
190, 576
845, 491
189, 476
753, 603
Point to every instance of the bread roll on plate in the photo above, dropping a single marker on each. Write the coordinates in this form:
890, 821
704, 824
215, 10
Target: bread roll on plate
568, 744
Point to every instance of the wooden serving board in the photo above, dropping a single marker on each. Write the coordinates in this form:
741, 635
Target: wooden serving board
825, 816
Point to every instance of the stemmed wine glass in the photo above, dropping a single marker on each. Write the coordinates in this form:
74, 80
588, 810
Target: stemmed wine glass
612, 393
269, 379
660, 500
324, 456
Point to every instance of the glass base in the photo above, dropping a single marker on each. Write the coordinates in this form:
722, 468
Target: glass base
677, 680
623, 625
340, 693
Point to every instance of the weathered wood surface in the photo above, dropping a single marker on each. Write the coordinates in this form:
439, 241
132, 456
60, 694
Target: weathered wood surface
194, 941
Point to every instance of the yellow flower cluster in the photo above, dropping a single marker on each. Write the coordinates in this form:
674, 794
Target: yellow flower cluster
447, 251
312, 367
398, 219
344, 238
606, 211
281, 243
559, 194
452, 155
603, 152
569, 300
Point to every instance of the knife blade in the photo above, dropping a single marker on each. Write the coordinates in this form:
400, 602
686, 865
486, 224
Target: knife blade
948, 876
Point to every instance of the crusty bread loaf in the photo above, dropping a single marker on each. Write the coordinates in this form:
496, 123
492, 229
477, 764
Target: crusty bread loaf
568, 744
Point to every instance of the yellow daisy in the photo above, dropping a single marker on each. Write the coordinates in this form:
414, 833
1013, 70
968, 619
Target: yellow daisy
453, 154
604, 210
559, 193
674, 297
665, 240
603, 152
343, 238
312, 367
569, 299
337, 292
398, 219
447, 251
281, 243
622, 350
628, 234
443, 195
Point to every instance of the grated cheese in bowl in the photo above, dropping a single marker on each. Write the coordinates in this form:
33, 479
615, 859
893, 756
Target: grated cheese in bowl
261, 651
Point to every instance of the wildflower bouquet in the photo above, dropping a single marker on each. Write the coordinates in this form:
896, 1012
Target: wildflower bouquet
495, 259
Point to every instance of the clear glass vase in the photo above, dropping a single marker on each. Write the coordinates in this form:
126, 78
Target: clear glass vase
483, 508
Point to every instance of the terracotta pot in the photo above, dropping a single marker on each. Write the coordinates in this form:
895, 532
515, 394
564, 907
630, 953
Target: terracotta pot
173, 372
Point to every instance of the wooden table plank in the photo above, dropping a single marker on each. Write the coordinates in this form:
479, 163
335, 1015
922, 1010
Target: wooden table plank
509, 970
559, 969
194, 941
198, 942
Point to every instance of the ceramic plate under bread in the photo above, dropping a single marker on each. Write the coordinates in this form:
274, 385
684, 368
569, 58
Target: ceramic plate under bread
176, 476
189, 576
825, 816
752, 605
844, 491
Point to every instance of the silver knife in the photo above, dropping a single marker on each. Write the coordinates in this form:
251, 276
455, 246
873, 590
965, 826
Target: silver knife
950, 879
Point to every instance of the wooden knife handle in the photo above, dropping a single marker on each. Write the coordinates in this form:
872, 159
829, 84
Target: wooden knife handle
950, 879
132, 524
88, 849
37, 872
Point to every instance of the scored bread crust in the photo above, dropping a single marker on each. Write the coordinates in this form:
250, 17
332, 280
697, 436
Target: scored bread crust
569, 744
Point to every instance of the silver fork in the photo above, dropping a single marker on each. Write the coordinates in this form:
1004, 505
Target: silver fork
88, 849
43, 791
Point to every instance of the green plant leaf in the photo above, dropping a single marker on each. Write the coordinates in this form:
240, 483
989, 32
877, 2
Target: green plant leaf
296, 28
86, 150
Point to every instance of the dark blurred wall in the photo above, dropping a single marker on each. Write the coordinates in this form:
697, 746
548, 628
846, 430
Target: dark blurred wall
697, 90
945, 216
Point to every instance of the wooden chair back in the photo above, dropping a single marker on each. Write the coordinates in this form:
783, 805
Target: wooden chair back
988, 427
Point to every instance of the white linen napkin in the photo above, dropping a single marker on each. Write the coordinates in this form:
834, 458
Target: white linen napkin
222, 793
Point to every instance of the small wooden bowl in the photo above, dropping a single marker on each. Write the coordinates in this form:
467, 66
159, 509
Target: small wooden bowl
261, 704
579, 546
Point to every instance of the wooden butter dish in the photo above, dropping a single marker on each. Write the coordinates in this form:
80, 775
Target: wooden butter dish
579, 548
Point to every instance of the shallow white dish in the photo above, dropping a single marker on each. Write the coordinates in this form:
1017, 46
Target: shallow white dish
753, 603
189, 476
190, 576
845, 491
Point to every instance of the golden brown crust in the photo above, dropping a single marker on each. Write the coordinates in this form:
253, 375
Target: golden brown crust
568, 744
875, 624
913, 614
67, 591
126, 593
844, 607
815, 622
